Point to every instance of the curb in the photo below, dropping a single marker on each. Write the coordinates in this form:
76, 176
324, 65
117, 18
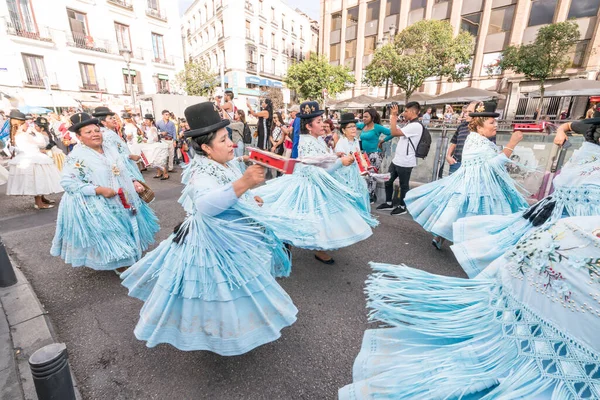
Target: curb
28, 328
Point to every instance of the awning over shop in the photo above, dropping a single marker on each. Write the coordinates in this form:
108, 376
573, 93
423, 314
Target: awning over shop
420, 97
573, 87
466, 95
358, 102
255, 80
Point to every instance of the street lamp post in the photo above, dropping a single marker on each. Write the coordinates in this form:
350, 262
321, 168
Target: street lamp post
126, 53
389, 36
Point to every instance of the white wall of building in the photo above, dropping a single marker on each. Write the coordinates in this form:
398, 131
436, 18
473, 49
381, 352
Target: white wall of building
61, 57
215, 32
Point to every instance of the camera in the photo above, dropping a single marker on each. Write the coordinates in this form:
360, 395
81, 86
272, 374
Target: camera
392, 104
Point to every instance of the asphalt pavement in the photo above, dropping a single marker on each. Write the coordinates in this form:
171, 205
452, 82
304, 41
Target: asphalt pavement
93, 315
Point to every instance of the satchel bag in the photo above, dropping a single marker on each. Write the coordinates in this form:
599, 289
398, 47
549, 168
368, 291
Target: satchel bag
148, 194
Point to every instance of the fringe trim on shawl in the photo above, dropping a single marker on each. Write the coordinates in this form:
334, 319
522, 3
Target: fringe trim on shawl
90, 225
217, 252
499, 338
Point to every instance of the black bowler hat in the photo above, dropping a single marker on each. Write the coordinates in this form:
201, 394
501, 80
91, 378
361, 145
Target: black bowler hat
102, 112
149, 116
16, 114
41, 121
485, 109
595, 120
347, 118
310, 109
203, 119
126, 116
80, 120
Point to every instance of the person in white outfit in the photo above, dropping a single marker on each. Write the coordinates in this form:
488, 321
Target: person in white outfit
31, 172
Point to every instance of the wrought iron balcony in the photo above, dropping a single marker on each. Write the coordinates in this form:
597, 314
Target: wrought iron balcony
42, 34
158, 14
88, 42
93, 87
164, 60
251, 66
128, 4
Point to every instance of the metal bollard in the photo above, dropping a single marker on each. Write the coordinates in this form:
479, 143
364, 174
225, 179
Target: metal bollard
7, 273
51, 373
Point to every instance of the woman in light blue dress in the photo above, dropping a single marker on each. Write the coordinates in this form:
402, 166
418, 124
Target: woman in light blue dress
102, 223
479, 241
528, 332
348, 144
314, 192
211, 285
482, 186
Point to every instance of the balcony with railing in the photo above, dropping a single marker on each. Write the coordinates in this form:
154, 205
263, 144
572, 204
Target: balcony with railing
157, 13
251, 66
166, 60
138, 88
42, 34
127, 4
83, 41
91, 87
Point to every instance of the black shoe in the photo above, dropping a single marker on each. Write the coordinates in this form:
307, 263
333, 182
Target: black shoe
328, 262
399, 211
384, 206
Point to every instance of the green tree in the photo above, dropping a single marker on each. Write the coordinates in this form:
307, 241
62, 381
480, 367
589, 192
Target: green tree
425, 49
309, 77
197, 79
549, 55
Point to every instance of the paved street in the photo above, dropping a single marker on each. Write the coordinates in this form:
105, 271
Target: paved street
93, 315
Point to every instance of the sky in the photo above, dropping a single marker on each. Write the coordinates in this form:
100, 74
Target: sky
310, 7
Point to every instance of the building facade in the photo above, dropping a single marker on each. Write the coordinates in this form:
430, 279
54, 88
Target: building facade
352, 30
74, 50
252, 41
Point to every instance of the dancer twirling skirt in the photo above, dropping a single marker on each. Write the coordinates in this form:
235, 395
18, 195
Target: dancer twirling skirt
479, 240
529, 332
482, 186
211, 285
314, 192
102, 223
351, 177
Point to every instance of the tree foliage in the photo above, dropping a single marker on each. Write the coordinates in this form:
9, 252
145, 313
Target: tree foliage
276, 97
197, 79
549, 55
309, 77
425, 49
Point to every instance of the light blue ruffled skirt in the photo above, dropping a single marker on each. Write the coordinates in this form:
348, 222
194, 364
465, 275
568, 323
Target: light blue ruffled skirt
477, 189
452, 338
478, 241
94, 232
310, 193
215, 291
350, 177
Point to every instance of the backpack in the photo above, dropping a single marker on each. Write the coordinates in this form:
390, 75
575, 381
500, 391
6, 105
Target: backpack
424, 144
247, 136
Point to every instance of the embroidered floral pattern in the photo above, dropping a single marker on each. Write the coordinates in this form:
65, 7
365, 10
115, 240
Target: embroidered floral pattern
310, 146
536, 257
81, 169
